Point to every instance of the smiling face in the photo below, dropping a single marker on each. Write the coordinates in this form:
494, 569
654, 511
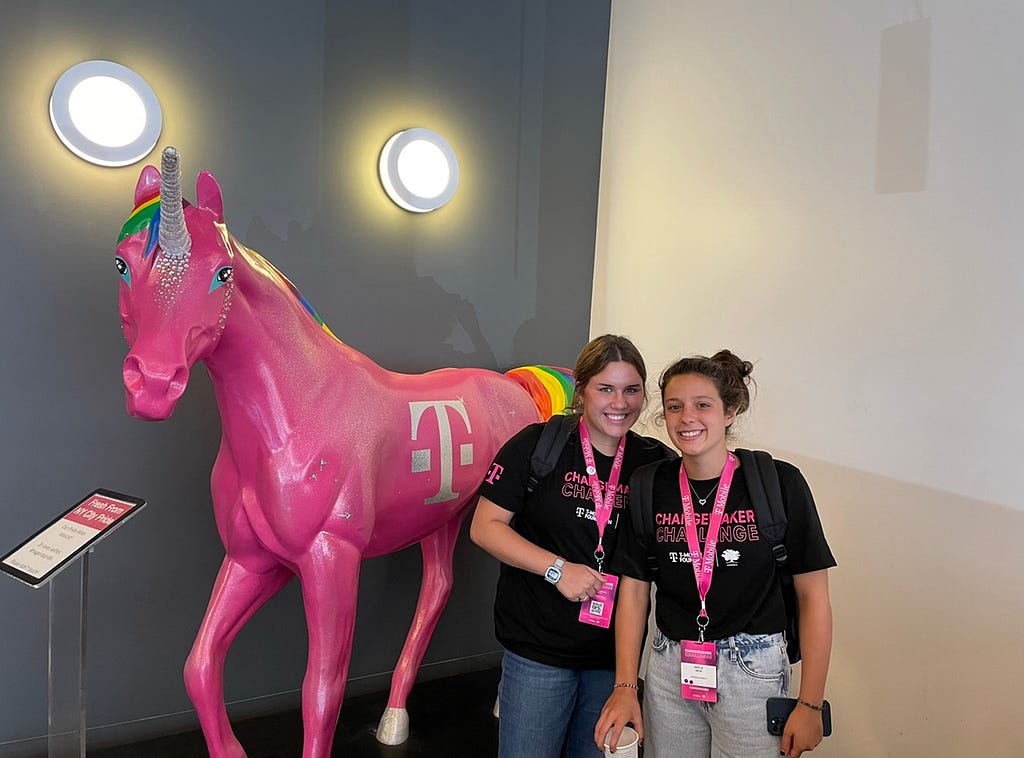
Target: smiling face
612, 400
697, 421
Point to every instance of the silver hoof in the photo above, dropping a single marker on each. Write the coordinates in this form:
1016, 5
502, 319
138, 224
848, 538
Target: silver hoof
394, 726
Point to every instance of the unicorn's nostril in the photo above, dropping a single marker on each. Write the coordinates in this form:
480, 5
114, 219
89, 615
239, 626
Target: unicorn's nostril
178, 382
134, 379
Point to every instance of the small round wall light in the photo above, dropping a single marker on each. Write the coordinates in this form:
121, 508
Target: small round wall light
105, 113
418, 170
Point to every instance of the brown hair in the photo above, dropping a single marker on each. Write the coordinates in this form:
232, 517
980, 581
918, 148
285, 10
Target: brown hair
597, 354
730, 374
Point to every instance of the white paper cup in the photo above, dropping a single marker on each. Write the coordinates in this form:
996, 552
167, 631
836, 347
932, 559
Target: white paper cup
627, 747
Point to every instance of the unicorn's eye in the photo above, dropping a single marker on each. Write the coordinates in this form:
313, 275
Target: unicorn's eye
222, 277
122, 269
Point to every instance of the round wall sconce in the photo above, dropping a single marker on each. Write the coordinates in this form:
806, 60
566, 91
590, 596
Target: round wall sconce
418, 170
105, 113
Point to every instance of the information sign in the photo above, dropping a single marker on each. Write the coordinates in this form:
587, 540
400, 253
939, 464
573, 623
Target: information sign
39, 558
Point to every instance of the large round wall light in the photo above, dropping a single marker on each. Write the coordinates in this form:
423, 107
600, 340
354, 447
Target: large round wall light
418, 170
105, 113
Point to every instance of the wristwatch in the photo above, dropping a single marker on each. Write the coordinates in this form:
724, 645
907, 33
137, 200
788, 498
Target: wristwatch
554, 572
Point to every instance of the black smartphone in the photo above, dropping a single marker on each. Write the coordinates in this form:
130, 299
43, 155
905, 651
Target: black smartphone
779, 708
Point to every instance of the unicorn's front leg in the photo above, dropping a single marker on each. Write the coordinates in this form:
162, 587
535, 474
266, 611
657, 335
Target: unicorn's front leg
329, 573
237, 594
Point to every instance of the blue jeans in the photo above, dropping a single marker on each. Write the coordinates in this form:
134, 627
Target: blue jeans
751, 669
549, 712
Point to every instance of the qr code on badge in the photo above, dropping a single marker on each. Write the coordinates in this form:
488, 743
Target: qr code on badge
597, 607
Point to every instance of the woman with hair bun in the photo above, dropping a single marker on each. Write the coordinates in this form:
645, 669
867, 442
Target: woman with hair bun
720, 601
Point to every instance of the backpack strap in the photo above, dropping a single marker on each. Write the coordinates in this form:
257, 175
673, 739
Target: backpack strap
548, 449
762, 480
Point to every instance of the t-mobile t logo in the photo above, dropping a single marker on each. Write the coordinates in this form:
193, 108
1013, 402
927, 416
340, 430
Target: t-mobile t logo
494, 474
422, 459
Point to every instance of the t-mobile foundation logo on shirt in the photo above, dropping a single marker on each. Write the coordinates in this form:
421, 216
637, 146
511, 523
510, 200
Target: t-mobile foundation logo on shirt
731, 557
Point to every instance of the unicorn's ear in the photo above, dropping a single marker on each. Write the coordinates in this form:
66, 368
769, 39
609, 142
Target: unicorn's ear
208, 195
148, 186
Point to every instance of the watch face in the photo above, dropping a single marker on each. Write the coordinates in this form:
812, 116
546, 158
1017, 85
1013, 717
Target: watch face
553, 574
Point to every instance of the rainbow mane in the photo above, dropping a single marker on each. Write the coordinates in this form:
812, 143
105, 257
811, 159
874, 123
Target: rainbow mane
550, 387
305, 303
298, 296
146, 214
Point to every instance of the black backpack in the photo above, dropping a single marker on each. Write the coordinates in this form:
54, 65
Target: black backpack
762, 480
550, 445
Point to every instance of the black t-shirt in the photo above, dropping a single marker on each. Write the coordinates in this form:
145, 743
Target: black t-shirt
531, 617
745, 595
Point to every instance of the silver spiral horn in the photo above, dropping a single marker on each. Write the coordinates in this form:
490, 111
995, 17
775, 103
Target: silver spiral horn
174, 237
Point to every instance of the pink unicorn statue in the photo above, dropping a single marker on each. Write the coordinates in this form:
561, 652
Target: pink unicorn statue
325, 457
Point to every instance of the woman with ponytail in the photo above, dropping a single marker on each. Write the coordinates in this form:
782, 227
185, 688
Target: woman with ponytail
719, 649
554, 537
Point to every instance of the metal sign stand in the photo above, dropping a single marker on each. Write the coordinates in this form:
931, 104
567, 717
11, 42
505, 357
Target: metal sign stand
58, 555
66, 666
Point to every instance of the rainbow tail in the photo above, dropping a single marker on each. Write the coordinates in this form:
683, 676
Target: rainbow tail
550, 387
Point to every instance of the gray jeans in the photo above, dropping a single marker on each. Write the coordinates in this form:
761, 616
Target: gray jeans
751, 669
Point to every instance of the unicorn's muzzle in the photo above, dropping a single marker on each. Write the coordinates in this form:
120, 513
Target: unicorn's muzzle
151, 392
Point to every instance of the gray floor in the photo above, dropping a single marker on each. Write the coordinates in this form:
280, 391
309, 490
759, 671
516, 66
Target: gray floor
450, 718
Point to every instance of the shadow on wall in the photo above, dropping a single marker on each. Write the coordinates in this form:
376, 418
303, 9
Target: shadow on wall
904, 108
406, 322
927, 613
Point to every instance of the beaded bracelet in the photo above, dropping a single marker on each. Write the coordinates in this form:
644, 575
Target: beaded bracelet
803, 702
630, 686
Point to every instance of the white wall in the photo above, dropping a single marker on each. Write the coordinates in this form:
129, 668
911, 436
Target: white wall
833, 190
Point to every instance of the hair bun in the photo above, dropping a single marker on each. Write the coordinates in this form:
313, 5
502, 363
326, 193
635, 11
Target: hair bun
731, 375
733, 362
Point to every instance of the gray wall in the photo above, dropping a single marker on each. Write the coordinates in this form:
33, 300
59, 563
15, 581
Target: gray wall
288, 105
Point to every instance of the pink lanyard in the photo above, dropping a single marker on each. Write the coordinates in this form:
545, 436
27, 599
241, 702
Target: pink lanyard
602, 504
704, 566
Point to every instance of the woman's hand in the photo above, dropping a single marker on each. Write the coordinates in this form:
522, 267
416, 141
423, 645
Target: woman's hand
491, 529
579, 582
622, 708
803, 731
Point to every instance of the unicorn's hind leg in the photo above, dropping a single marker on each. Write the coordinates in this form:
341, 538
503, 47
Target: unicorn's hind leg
438, 549
237, 594
329, 572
